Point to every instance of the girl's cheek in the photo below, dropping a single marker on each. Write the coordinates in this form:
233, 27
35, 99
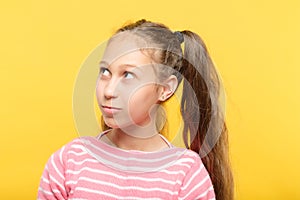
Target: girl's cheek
126, 91
99, 91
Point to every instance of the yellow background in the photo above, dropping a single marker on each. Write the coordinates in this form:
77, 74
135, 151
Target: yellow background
255, 44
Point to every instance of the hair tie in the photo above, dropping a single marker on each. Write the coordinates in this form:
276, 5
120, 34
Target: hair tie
179, 36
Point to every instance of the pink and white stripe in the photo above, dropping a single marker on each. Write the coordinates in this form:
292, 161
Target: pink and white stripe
87, 168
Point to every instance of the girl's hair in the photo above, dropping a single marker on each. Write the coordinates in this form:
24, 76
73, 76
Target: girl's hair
200, 79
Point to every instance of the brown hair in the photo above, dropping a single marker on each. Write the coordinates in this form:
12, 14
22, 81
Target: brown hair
202, 115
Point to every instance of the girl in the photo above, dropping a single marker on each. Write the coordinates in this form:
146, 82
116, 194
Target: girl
141, 68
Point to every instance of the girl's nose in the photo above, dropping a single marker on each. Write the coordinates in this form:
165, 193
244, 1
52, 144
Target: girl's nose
110, 90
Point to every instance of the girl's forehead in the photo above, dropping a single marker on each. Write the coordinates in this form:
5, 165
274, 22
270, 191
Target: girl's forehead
126, 43
119, 46
134, 58
125, 50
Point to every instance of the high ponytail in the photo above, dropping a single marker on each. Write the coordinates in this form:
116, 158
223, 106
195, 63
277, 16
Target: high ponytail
208, 136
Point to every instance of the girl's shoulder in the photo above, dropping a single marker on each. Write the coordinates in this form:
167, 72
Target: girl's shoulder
76, 143
74, 148
191, 159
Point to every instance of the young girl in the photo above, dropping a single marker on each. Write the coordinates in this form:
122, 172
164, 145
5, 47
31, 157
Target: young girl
142, 66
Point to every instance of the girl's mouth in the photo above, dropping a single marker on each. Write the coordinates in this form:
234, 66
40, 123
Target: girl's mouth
108, 110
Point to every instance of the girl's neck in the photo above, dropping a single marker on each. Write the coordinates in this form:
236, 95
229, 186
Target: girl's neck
124, 140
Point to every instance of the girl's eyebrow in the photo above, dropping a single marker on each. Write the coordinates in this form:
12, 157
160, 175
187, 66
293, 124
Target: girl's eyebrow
103, 63
125, 66
122, 65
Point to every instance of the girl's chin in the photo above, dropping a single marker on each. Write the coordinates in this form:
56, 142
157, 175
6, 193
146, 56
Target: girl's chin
112, 123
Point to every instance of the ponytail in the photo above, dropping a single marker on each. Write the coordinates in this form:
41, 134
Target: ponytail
205, 131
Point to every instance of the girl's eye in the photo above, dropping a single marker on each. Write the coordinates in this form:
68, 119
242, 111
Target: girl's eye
128, 75
104, 71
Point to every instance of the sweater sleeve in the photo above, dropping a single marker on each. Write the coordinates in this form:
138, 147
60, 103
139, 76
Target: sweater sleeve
197, 183
52, 183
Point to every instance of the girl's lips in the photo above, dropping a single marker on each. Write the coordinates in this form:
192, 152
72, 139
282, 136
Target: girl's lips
110, 110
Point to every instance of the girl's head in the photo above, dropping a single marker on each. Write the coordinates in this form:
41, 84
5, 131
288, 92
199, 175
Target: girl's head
142, 67
136, 75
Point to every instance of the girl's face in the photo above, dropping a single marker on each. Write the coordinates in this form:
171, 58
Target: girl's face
127, 92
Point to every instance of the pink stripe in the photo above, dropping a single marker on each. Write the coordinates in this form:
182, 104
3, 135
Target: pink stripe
83, 176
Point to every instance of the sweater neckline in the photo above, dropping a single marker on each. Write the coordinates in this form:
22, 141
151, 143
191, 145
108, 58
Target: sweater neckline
131, 160
99, 136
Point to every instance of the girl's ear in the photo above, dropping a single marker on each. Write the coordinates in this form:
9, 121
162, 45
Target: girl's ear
168, 88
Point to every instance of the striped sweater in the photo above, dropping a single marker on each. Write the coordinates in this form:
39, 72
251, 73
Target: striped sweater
88, 168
